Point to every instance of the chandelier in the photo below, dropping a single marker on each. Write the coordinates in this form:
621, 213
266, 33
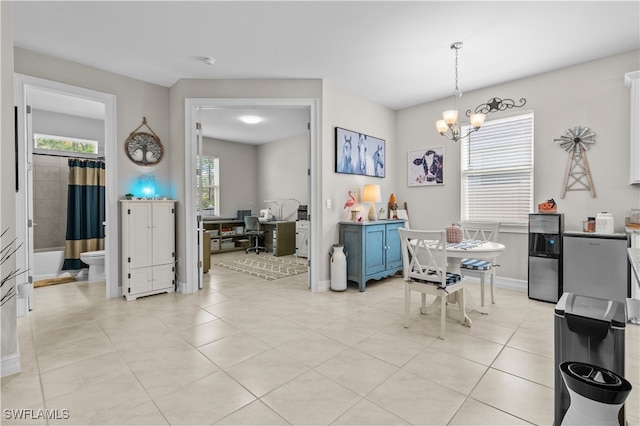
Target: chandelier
449, 125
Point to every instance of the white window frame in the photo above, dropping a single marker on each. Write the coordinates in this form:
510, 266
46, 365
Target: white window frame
37, 150
515, 215
215, 211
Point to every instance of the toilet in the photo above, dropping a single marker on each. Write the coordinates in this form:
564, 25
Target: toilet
95, 260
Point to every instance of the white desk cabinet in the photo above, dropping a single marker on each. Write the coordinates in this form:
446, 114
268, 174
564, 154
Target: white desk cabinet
302, 238
148, 247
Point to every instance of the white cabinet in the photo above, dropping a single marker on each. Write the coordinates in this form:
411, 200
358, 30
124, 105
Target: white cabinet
302, 238
632, 79
148, 247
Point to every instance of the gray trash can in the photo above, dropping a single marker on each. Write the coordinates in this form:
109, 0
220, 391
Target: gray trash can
586, 330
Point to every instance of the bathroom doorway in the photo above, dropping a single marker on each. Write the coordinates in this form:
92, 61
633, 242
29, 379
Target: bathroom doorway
46, 108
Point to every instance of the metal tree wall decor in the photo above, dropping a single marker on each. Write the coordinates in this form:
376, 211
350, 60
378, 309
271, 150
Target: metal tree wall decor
144, 149
577, 142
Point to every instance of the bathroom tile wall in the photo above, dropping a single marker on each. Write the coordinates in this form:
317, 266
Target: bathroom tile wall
50, 180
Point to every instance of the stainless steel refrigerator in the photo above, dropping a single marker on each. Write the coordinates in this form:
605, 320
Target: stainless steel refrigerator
596, 265
545, 256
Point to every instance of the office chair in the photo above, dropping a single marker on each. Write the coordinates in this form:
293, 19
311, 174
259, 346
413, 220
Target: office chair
253, 229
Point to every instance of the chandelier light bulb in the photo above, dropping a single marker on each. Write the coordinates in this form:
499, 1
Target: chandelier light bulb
450, 117
477, 120
442, 127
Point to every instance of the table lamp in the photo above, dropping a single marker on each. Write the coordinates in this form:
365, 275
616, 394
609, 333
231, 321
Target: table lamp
371, 194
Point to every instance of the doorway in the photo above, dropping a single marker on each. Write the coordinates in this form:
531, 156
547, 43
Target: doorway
53, 98
193, 224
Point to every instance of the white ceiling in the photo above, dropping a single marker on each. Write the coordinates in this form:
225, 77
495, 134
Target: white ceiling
395, 53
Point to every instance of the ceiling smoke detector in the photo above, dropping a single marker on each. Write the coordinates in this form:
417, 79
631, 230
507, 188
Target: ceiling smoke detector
209, 60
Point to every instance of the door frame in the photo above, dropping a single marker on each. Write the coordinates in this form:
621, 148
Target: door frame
192, 105
22, 86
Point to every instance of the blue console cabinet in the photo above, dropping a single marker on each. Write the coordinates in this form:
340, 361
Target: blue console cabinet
373, 249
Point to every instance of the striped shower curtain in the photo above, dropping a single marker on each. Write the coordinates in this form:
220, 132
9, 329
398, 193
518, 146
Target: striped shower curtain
85, 210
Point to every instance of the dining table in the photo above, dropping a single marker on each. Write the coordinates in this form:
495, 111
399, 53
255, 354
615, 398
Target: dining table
472, 249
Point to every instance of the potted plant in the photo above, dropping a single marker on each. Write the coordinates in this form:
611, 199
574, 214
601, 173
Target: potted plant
128, 196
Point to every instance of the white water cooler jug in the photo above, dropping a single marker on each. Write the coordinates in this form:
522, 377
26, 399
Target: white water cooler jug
338, 268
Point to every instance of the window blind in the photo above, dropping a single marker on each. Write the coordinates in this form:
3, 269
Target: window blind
497, 171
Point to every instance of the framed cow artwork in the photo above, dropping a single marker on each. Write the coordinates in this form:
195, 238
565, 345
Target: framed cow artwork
426, 167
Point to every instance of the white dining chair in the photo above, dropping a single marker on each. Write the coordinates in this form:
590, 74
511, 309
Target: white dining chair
480, 268
424, 269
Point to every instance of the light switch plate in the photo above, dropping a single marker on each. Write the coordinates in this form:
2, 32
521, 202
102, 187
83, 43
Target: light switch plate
329, 203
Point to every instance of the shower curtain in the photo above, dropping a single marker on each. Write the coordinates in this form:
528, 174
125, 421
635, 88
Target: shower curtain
85, 210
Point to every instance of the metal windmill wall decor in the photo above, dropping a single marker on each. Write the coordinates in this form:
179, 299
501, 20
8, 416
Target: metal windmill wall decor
577, 142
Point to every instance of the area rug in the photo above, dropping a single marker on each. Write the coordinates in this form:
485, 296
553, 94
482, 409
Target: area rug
266, 267
53, 281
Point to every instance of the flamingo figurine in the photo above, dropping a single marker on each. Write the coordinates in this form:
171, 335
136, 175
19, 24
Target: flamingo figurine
351, 201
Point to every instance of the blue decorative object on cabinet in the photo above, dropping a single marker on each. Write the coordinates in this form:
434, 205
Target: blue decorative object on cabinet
373, 249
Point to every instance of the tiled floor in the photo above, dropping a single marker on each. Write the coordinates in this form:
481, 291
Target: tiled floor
248, 351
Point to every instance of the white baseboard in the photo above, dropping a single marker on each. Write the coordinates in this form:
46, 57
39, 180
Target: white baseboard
512, 283
185, 288
503, 282
323, 286
10, 365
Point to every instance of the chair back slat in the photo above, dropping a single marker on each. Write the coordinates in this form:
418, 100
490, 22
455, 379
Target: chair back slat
424, 255
480, 230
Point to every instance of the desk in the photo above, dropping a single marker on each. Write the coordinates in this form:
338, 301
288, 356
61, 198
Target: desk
279, 237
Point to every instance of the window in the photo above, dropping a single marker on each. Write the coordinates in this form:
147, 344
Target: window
211, 185
63, 145
497, 171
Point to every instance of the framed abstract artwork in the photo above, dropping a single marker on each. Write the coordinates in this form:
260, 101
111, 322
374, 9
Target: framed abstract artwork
426, 167
359, 154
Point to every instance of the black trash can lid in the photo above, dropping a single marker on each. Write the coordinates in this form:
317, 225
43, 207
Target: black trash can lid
594, 382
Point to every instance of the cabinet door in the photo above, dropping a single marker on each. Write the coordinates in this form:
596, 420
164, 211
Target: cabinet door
140, 280
302, 240
163, 277
374, 249
163, 233
138, 238
394, 251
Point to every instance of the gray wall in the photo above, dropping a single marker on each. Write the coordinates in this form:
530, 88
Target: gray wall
53, 123
50, 187
592, 94
9, 354
238, 174
250, 174
282, 174
135, 99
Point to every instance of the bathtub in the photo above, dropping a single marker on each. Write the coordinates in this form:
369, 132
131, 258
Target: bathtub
47, 263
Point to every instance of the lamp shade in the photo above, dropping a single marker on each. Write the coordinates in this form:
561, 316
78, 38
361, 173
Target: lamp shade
371, 194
